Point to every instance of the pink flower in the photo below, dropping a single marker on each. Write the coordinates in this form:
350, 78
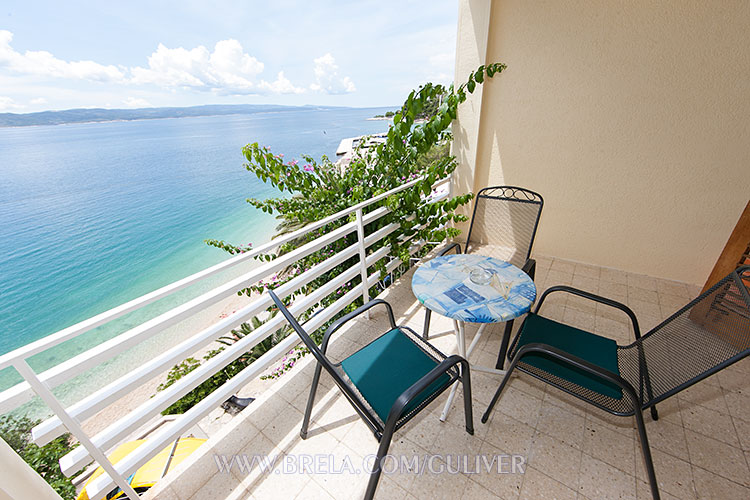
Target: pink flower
293, 163
308, 168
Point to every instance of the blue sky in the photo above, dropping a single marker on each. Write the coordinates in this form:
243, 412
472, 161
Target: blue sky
59, 55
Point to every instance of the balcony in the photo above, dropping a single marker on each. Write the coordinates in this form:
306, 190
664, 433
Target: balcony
538, 443
571, 450
637, 137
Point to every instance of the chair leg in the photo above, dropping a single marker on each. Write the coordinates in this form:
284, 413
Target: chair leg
504, 345
310, 402
466, 382
647, 379
426, 329
506, 378
654, 413
647, 455
385, 443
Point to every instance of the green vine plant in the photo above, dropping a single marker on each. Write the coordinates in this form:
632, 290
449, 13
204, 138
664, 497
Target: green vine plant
313, 190
416, 148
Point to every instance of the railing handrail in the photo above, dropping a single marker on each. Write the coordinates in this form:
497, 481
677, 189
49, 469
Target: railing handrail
184, 421
94, 447
53, 339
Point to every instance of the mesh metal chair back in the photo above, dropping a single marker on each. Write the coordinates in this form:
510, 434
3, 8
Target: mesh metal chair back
504, 223
705, 336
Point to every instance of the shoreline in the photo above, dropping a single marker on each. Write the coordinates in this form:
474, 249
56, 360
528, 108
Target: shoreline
84, 384
144, 392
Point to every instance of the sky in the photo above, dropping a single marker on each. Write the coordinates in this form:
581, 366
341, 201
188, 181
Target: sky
82, 54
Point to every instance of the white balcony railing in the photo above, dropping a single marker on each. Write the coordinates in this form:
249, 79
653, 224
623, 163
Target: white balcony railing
94, 447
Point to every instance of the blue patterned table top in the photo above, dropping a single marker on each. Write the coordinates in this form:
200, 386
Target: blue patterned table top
443, 285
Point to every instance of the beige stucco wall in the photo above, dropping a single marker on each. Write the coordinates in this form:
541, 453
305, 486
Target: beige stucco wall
471, 47
630, 118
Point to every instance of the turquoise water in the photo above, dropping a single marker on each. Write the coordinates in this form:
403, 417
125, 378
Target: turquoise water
93, 215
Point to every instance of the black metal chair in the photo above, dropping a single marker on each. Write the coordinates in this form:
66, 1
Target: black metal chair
388, 381
707, 335
503, 225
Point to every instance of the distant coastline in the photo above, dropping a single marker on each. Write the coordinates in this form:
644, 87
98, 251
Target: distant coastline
94, 115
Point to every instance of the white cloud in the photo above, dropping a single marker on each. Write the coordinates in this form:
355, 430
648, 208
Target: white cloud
227, 69
327, 78
42, 63
135, 102
38, 101
8, 104
281, 85
224, 70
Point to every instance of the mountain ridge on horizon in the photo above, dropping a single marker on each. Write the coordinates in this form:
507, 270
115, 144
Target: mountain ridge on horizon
91, 115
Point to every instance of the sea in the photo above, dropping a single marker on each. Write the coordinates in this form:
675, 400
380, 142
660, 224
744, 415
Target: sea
95, 214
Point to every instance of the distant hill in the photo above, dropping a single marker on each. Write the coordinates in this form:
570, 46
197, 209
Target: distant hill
104, 115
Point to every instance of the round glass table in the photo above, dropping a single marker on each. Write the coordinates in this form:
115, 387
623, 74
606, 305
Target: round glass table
475, 289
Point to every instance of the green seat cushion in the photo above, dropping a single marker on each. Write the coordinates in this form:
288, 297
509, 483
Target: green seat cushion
597, 350
385, 368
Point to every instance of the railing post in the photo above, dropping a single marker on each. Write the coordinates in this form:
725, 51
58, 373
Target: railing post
73, 426
362, 259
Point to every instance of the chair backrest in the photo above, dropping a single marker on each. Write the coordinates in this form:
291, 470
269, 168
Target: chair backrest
504, 223
707, 335
309, 342
350, 391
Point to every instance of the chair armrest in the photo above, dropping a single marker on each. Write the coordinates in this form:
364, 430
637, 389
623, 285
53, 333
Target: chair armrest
340, 322
529, 268
595, 298
448, 248
420, 385
579, 363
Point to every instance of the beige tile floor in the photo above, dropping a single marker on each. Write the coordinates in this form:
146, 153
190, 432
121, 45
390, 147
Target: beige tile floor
701, 443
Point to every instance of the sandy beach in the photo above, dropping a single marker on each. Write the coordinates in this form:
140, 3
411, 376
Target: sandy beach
200, 321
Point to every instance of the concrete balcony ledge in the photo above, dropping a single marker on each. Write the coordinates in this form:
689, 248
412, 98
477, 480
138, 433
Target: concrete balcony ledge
568, 449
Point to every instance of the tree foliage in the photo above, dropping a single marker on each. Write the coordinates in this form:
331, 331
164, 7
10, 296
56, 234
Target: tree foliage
217, 380
416, 148
313, 190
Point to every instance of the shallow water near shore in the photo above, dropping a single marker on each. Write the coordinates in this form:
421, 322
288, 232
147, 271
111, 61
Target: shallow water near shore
93, 215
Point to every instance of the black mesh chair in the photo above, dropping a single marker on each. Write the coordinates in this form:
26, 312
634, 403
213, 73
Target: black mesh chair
388, 381
503, 225
707, 335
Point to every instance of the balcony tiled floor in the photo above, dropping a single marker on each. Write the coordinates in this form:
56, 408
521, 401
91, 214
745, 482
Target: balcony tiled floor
701, 443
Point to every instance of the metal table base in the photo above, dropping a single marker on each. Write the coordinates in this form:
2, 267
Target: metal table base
458, 328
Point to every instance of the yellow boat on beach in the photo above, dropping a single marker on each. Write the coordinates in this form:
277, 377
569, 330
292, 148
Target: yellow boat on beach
152, 471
